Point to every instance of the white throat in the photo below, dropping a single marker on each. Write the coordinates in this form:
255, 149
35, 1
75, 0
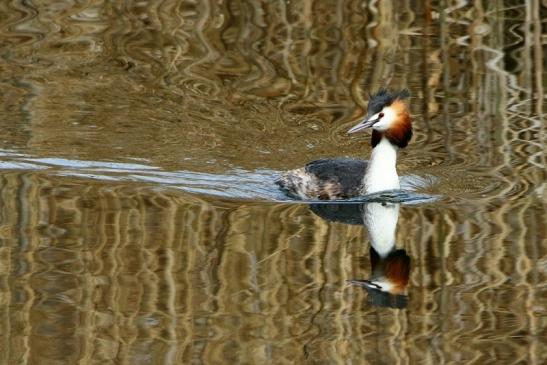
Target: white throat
381, 171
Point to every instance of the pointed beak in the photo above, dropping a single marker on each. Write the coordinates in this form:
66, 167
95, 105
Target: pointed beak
364, 283
367, 123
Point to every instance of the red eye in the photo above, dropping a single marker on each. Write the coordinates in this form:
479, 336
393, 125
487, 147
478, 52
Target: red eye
380, 115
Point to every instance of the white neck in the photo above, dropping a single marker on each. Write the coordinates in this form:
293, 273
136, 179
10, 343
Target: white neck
381, 171
381, 222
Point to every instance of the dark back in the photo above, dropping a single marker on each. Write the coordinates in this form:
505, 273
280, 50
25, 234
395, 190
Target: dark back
346, 173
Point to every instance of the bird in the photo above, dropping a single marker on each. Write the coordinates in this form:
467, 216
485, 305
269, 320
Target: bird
389, 118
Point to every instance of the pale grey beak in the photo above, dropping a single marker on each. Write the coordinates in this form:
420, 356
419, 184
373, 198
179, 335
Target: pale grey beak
364, 283
367, 123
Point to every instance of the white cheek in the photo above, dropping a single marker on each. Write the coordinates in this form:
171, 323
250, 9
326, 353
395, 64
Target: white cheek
386, 121
385, 286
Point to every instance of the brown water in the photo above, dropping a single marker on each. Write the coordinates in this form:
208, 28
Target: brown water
139, 223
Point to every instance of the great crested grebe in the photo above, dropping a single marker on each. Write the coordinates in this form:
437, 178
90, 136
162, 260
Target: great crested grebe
342, 178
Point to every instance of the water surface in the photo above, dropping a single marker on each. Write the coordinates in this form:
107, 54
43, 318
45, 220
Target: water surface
139, 223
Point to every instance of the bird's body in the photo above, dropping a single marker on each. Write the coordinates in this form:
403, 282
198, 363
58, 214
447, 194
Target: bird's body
325, 179
343, 178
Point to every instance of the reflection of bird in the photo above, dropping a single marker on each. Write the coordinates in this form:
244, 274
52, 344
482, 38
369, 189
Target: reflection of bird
339, 178
390, 267
343, 213
387, 285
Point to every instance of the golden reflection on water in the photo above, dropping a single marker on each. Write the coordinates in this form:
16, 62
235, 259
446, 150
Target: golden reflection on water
125, 272
106, 273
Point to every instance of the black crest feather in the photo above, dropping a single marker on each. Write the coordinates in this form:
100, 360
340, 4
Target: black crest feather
383, 98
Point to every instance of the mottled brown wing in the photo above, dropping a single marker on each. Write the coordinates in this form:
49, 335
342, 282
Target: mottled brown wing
343, 175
